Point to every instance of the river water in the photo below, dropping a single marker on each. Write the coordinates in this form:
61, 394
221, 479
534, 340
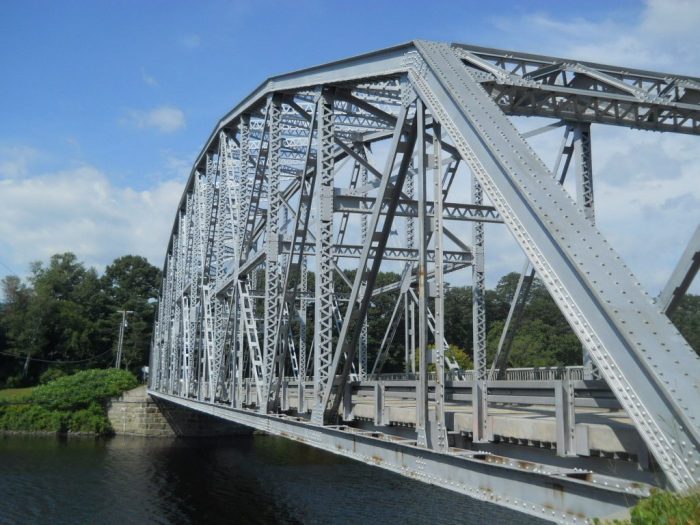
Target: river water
244, 479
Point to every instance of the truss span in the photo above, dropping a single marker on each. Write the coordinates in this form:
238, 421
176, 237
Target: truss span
351, 166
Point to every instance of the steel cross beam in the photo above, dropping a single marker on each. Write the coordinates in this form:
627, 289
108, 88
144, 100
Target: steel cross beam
408, 208
527, 84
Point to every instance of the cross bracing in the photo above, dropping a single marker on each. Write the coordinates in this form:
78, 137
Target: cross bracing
320, 170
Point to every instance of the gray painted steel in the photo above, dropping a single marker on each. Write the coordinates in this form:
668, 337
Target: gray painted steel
319, 167
528, 487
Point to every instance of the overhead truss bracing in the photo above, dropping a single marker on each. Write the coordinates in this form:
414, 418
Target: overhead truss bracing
364, 165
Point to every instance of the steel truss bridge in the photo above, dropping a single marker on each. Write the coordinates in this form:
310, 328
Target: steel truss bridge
383, 162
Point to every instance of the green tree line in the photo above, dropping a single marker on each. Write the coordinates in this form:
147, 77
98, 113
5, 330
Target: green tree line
65, 316
65, 312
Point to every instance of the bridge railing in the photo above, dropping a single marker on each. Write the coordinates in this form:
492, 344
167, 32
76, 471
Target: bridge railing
539, 373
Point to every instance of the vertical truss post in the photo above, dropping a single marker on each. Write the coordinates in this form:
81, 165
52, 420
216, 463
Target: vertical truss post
293, 263
388, 193
236, 347
323, 318
410, 244
584, 199
240, 354
196, 275
272, 249
379, 407
423, 436
406, 333
439, 432
584, 169
413, 337
245, 182
243, 203
304, 285
362, 354
479, 404
565, 416
347, 402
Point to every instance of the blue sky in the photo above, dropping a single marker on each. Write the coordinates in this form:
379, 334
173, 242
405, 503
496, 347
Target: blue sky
104, 105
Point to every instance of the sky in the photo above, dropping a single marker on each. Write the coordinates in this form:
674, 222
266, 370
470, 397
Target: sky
104, 106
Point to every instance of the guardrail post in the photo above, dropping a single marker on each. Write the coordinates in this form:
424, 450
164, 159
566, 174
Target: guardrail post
565, 413
301, 392
347, 402
379, 389
285, 395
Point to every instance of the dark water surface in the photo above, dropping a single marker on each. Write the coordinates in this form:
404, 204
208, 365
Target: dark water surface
246, 479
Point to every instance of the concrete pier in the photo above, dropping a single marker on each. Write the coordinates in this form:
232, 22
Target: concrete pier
135, 413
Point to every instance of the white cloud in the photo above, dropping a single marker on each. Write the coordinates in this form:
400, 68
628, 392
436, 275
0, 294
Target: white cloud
148, 79
80, 210
663, 36
15, 160
646, 183
672, 18
165, 119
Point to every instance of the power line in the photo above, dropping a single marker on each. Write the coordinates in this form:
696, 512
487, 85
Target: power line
55, 361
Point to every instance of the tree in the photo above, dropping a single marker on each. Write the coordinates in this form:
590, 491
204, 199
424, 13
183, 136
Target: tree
68, 306
543, 337
687, 320
458, 316
66, 312
15, 322
131, 283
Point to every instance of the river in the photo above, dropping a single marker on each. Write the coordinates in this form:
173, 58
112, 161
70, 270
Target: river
244, 479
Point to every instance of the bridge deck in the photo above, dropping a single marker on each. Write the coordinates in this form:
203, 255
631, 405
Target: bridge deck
604, 432
559, 493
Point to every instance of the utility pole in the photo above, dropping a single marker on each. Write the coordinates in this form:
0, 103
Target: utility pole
122, 326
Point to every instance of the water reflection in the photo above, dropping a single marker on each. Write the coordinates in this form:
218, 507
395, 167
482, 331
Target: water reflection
243, 479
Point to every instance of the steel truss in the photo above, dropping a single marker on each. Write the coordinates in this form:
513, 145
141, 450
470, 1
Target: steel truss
321, 168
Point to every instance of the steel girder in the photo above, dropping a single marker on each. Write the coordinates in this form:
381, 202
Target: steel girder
421, 100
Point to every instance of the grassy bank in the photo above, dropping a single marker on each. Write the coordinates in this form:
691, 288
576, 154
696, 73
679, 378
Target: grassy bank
75, 403
663, 508
15, 395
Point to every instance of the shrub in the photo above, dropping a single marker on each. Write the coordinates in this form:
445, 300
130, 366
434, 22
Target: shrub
31, 418
69, 403
80, 390
50, 375
667, 508
91, 419
662, 508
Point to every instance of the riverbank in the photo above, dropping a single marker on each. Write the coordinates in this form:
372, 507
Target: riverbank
69, 405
